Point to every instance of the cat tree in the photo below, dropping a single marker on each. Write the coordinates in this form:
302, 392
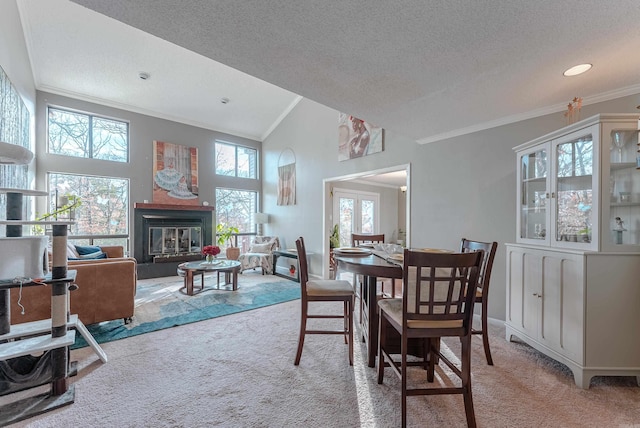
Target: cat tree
24, 264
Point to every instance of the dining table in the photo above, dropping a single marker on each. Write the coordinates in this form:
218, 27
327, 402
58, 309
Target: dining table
371, 264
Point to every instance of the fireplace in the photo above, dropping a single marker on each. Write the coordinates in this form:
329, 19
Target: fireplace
167, 235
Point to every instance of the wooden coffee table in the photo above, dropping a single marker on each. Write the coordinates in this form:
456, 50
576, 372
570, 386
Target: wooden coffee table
230, 269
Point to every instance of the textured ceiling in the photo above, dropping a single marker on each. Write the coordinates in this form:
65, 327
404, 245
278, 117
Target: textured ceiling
426, 69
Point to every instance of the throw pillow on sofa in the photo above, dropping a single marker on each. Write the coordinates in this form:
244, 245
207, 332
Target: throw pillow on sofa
88, 252
80, 252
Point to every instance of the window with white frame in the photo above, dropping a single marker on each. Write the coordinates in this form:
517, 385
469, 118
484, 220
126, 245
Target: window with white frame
236, 161
104, 205
236, 208
86, 135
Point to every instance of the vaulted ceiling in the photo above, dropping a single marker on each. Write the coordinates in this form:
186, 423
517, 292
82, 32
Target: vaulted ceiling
425, 69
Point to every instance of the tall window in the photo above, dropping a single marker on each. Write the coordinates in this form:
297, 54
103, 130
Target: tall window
236, 161
236, 208
104, 209
87, 136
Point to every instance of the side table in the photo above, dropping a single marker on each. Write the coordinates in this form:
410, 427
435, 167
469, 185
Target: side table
290, 254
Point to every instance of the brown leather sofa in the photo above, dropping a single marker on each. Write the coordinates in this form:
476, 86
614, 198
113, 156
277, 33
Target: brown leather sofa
106, 291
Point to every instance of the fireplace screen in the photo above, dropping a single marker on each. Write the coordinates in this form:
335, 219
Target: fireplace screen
174, 240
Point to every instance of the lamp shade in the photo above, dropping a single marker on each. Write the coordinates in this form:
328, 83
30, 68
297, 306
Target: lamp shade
261, 218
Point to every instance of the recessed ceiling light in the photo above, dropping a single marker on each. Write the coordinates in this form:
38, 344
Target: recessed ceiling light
144, 75
224, 100
577, 69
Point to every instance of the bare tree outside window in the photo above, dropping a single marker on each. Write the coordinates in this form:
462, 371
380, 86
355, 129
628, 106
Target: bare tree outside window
236, 161
236, 208
87, 136
105, 202
110, 139
574, 192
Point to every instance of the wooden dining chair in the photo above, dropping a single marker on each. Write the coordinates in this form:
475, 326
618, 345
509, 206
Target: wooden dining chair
435, 304
482, 290
360, 239
323, 290
356, 241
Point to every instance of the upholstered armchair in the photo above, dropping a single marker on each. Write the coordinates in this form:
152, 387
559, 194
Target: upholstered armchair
260, 254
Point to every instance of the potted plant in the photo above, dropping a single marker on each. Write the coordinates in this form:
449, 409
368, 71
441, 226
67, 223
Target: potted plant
66, 206
334, 242
224, 234
334, 238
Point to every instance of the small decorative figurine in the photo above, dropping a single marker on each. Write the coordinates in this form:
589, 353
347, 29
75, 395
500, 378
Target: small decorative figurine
573, 110
618, 230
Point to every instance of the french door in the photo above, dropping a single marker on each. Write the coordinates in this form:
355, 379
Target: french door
355, 212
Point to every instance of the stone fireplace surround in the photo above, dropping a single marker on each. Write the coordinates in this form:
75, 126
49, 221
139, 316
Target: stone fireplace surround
163, 215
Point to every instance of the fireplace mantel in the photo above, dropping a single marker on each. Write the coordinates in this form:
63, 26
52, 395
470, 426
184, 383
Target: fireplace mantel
147, 206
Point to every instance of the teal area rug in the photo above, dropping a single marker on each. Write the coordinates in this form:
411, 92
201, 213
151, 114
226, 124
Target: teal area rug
160, 304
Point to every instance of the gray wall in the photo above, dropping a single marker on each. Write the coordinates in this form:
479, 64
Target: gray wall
461, 187
143, 130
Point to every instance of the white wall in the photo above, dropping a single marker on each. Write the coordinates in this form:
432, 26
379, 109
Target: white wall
461, 187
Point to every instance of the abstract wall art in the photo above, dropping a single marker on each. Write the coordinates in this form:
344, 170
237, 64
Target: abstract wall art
357, 138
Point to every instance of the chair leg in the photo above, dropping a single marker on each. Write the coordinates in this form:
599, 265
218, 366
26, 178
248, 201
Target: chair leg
425, 353
466, 381
303, 329
350, 315
431, 367
382, 339
403, 365
485, 333
345, 319
357, 284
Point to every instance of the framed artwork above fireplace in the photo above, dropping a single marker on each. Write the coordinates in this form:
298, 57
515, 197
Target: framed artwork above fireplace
175, 174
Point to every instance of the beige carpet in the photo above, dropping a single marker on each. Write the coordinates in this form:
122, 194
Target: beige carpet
237, 371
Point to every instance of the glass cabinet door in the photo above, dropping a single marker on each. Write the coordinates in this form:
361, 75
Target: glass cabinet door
574, 189
623, 193
534, 195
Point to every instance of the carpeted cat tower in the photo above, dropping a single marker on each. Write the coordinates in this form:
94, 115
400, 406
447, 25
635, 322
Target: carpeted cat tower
36, 353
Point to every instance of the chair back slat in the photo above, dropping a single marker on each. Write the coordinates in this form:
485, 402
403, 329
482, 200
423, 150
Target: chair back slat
302, 265
489, 249
435, 286
359, 239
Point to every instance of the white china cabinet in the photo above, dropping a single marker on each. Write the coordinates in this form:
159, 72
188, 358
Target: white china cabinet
573, 275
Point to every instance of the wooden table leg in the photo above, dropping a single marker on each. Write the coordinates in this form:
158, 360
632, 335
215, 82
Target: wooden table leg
234, 274
372, 331
188, 281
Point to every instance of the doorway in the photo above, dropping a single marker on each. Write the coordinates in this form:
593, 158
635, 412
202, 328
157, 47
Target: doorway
395, 179
355, 212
